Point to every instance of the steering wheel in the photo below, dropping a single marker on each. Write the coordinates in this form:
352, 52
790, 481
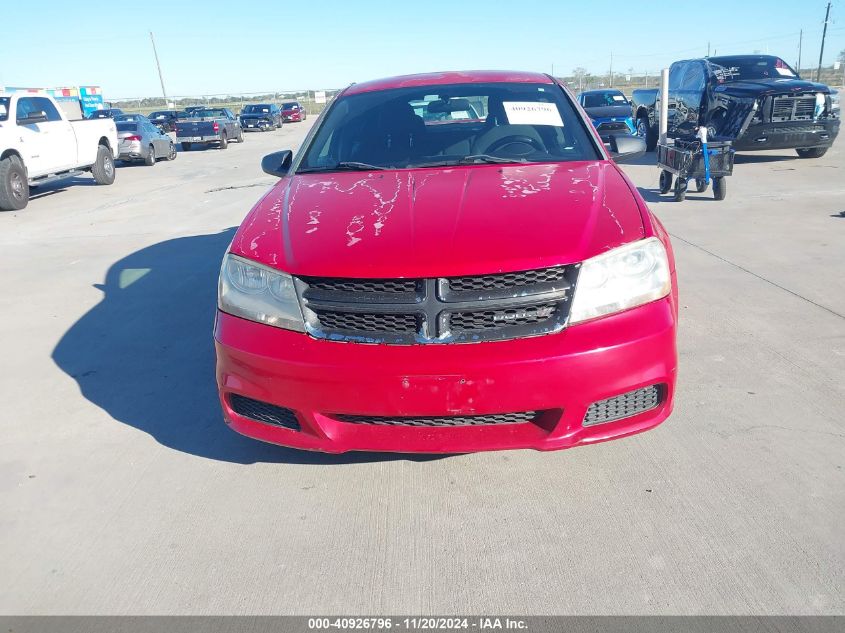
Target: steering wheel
516, 139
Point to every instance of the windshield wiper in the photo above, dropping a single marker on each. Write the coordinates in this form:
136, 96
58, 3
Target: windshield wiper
347, 165
487, 158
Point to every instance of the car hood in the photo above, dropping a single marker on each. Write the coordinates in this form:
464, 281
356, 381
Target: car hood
439, 222
607, 112
767, 87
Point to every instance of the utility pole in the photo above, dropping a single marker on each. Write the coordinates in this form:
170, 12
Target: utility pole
824, 34
800, 42
611, 69
158, 66
708, 49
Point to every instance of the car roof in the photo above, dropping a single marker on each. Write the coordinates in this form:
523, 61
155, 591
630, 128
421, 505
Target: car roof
449, 77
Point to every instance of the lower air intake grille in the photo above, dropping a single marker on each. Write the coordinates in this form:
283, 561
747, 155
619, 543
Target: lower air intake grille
623, 406
435, 421
263, 412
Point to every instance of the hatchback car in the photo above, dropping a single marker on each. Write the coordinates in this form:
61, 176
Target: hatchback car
141, 141
610, 112
469, 284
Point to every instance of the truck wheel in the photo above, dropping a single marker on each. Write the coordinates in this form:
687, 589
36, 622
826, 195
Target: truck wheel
150, 160
14, 188
720, 188
665, 181
240, 136
171, 153
224, 142
103, 169
811, 152
701, 185
186, 147
680, 189
645, 131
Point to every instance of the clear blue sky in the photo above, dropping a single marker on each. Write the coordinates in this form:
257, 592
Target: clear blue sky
214, 46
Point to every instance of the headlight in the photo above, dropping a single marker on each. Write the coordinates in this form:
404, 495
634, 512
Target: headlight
623, 278
258, 293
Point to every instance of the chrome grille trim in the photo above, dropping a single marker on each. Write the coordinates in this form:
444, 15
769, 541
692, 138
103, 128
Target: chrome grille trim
465, 309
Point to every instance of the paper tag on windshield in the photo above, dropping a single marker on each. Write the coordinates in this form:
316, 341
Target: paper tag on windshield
532, 113
618, 98
3, 110
785, 72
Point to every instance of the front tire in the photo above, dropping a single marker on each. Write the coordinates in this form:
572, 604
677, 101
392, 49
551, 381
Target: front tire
103, 169
645, 131
240, 136
171, 154
186, 147
150, 158
811, 152
720, 188
14, 186
680, 189
665, 181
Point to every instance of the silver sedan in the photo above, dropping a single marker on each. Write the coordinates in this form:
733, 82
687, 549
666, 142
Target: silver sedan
140, 140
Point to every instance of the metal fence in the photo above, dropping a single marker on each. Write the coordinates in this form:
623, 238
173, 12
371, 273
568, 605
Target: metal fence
312, 100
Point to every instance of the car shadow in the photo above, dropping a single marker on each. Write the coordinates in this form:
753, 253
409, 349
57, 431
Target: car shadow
145, 355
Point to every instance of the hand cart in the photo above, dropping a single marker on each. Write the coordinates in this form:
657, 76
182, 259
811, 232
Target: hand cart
698, 159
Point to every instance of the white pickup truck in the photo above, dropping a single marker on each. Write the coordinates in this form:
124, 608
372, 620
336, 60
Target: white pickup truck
38, 144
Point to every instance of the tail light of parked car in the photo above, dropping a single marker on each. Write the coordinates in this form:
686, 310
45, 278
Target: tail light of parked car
216, 126
134, 137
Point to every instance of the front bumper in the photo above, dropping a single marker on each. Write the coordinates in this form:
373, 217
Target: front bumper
249, 125
788, 135
559, 374
293, 118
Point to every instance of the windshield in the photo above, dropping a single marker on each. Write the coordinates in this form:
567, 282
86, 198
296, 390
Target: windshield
256, 109
449, 125
4, 108
739, 68
606, 98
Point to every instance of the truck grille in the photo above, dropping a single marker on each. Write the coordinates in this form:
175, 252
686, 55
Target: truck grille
793, 108
440, 310
441, 421
613, 126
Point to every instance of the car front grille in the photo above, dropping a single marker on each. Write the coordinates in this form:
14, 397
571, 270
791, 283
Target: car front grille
438, 310
263, 412
441, 421
624, 406
613, 126
793, 108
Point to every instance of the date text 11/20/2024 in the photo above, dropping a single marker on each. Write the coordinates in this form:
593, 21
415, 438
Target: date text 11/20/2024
417, 623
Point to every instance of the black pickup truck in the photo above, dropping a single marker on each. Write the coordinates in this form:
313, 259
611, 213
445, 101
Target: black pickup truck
210, 126
756, 101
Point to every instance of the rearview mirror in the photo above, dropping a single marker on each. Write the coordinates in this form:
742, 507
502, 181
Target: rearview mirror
626, 148
37, 116
278, 163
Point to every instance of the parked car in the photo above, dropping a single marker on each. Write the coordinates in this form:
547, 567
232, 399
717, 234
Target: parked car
38, 144
215, 126
756, 101
610, 112
107, 113
293, 111
166, 119
261, 117
486, 284
140, 140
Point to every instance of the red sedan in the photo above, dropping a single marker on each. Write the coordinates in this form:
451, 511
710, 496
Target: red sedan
292, 111
488, 282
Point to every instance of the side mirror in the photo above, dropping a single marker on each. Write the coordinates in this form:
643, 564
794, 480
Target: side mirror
626, 148
37, 116
278, 163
